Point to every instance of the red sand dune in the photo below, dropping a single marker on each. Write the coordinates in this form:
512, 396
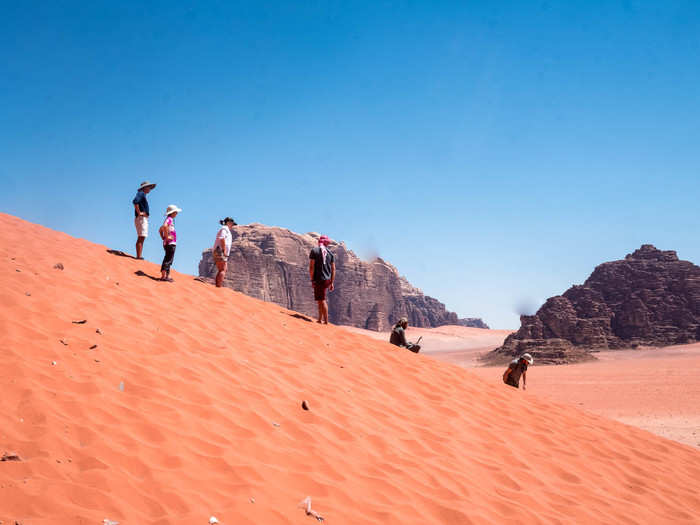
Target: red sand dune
654, 389
209, 420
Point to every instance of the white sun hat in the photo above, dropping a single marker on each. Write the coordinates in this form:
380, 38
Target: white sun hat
172, 209
527, 358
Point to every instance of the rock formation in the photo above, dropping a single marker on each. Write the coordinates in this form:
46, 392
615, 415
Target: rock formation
649, 298
272, 264
473, 322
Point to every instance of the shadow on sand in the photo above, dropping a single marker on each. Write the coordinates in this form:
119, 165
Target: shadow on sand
121, 254
144, 274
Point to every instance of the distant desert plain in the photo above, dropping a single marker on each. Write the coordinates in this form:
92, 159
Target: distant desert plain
652, 388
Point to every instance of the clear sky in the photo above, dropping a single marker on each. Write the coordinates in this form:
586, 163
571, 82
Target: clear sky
494, 152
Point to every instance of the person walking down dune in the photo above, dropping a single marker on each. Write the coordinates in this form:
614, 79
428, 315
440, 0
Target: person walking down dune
322, 273
169, 236
517, 368
398, 336
222, 248
141, 215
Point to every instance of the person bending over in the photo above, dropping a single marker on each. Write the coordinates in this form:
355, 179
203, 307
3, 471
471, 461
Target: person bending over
517, 368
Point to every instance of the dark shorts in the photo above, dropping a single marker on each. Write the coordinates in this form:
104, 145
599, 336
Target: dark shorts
320, 288
511, 382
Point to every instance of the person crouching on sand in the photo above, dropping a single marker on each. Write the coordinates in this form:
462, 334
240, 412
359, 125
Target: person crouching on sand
169, 236
141, 215
398, 336
517, 368
322, 273
222, 248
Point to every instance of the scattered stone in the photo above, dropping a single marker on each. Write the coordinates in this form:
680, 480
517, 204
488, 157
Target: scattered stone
121, 386
305, 405
53, 363
58, 266
109, 522
64, 342
213, 520
17, 270
82, 321
10, 457
97, 360
275, 424
27, 294
252, 500
98, 331
93, 347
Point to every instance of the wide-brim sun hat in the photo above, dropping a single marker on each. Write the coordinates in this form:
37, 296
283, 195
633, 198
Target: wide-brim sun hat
527, 358
172, 209
323, 239
145, 184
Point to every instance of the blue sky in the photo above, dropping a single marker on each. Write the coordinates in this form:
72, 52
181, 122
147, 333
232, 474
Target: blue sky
494, 152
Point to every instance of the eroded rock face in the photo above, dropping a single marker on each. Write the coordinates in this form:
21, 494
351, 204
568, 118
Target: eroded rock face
473, 322
272, 264
649, 298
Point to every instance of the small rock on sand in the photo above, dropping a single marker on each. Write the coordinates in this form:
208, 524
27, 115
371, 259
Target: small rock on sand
58, 266
305, 404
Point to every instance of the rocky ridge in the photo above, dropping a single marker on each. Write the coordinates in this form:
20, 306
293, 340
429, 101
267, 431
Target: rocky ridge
650, 298
271, 264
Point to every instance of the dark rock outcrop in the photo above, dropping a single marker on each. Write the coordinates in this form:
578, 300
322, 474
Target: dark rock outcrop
272, 264
650, 298
473, 322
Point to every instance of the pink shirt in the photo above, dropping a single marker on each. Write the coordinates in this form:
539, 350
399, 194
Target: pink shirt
171, 237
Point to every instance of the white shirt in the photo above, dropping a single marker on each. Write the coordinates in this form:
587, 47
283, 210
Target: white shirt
225, 234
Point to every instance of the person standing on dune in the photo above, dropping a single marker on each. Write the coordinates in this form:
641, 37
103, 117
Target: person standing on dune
222, 248
169, 236
141, 215
517, 368
322, 274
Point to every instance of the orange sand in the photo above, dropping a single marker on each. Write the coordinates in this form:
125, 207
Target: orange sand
654, 389
209, 420
461, 345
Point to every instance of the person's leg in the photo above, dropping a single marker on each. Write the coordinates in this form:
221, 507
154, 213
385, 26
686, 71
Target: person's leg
221, 266
320, 311
167, 262
325, 311
139, 247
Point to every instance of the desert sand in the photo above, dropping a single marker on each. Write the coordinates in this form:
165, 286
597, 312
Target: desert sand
190, 406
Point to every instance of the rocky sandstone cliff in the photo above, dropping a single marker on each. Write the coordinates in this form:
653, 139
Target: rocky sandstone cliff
473, 322
272, 264
649, 298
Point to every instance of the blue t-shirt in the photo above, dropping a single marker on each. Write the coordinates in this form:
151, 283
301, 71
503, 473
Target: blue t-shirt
140, 199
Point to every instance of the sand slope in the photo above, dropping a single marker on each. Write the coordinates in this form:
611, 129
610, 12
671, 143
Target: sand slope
209, 416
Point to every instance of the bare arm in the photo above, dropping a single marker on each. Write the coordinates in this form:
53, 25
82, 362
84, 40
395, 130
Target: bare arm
138, 210
332, 275
506, 374
524, 379
311, 269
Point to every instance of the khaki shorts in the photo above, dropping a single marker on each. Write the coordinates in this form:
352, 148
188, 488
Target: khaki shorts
219, 256
141, 224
